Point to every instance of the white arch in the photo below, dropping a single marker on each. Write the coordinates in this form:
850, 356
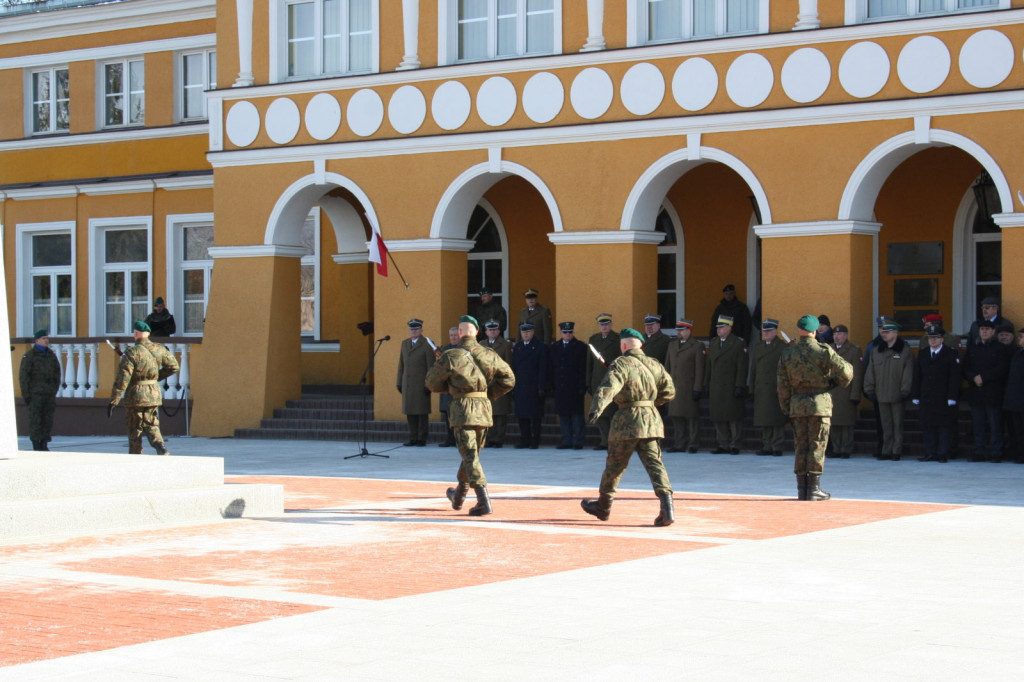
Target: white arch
858, 202
644, 201
458, 201
284, 226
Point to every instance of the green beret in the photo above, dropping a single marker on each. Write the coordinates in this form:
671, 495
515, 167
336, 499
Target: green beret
809, 323
40, 333
141, 326
630, 333
470, 319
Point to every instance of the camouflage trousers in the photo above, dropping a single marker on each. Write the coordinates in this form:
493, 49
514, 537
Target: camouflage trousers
619, 452
40, 417
143, 421
604, 422
810, 436
470, 440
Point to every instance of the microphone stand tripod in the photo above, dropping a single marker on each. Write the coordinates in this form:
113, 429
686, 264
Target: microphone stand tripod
366, 391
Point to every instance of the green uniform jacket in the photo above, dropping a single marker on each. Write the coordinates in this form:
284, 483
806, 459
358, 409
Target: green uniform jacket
485, 312
764, 371
656, 346
845, 398
685, 362
39, 373
890, 373
143, 366
726, 371
414, 359
634, 378
807, 371
503, 347
608, 347
540, 318
473, 376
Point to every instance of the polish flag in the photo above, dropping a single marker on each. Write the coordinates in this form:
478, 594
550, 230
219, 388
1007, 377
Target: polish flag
378, 250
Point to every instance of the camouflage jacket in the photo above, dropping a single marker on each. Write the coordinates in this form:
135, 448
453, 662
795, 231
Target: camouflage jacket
637, 384
143, 366
807, 371
40, 372
473, 376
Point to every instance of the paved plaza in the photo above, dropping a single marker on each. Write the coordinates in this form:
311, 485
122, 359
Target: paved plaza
911, 572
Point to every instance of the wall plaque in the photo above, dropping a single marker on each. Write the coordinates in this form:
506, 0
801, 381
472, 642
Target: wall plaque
920, 291
914, 258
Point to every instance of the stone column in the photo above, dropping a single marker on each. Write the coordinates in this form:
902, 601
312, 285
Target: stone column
808, 16
1012, 227
8, 430
411, 32
595, 26
244, 11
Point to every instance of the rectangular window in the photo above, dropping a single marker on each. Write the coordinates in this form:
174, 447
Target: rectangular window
326, 37
674, 20
51, 291
894, 9
309, 277
124, 93
51, 101
120, 272
489, 29
198, 74
196, 268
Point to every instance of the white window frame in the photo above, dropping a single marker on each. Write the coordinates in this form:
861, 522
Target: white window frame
97, 267
278, 22
176, 265
24, 271
127, 93
448, 32
637, 30
30, 117
314, 260
180, 87
857, 11
491, 255
679, 250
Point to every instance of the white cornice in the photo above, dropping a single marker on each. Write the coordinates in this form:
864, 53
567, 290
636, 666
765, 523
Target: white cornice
188, 182
109, 188
257, 251
605, 237
1005, 220
678, 126
126, 187
119, 16
29, 61
694, 48
441, 244
106, 137
55, 192
360, 258
820, 228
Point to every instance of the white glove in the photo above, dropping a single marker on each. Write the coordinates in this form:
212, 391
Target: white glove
951, 403
916, 401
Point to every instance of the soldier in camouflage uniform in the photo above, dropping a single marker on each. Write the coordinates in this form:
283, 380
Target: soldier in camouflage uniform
143, 366
473, 376
806, 372
638, 385
40, 379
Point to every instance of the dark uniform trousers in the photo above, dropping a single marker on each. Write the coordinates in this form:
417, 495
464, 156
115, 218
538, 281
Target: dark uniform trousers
729, 434
841, 438
649, 451
810, 436
418, 426
40, 416
773, 437
891, 416
685, 432
497, 432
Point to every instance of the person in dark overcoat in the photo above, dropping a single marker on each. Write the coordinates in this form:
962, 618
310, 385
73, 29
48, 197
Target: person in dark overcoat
764, 368
606, 342
414, 359
568, 358
985, 366
730, 306
936, 391
1013, 400
845, 398
530, 365
685, 363
502, 406
726, 384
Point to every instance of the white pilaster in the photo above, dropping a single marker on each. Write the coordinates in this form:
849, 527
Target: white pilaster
411, 34
808, 15
244, 10
8, 429
595, 26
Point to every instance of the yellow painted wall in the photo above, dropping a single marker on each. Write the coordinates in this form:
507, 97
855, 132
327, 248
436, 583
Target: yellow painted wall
160, 90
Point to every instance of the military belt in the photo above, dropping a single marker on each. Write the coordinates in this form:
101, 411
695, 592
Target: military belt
146, 381
476, 394
639, 403
805, 393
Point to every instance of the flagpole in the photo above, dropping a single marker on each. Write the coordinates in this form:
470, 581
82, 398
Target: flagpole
392, 258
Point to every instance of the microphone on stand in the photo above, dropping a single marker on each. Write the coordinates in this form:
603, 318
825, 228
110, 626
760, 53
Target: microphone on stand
386, 338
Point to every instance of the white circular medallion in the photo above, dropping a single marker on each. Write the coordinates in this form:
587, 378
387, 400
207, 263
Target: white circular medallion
242, 124
986, 58
407, 109
591, 92
543, 97
749, 80
365, 112
450, 105
642, 89
496, 101
695, 84
282, 120
864, 69
323, 116
806, 75
923, 64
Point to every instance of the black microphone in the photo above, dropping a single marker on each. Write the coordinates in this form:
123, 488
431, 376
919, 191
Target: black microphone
386, 338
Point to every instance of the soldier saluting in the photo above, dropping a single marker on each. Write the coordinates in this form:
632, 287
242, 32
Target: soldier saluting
807, 370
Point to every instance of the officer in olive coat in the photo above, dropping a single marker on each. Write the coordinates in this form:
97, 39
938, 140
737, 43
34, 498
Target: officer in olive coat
888, 380
764, 364
490, 309
655, 341
502, 406
605, 342
537, 315
845, 398
685, 361
726, 382
530, 365
568, 374
40, 379
414, 359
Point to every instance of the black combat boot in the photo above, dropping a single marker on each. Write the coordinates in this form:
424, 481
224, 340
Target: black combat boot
43, 447
801, 486
483, 502
161, 449
457, 495
36, 446
601, 507
814, 491
668, 515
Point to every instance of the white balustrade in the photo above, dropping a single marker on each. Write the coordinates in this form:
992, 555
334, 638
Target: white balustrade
184, 375
94, 370
176, 385
68, 389
81, 370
